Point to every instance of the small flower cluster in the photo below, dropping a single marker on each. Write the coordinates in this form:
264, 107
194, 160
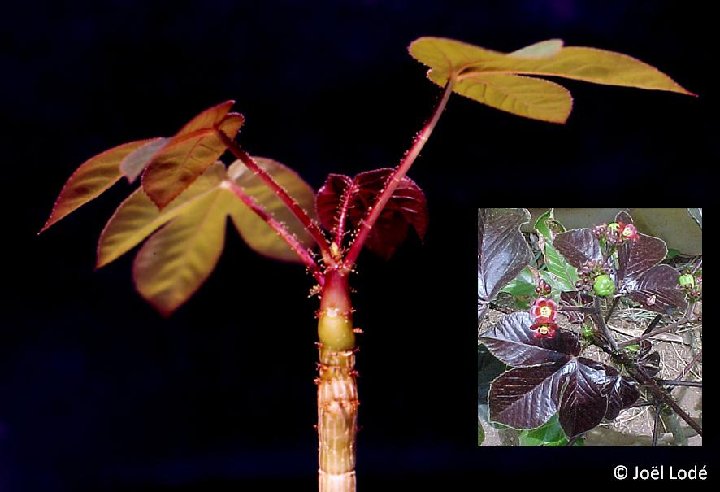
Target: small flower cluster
543, 288
691, 283
544, 313
616, 232
596, 276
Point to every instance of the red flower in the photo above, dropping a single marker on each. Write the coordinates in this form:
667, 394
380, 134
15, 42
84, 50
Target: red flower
544, 328
544, 308
629, 231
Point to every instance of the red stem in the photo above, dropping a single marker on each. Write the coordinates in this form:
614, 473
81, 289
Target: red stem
279, 228
296, 209
340, 227
395, 178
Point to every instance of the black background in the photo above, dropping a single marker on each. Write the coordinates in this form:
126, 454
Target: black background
98, 392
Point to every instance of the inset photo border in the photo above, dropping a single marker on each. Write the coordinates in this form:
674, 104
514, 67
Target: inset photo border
590, 327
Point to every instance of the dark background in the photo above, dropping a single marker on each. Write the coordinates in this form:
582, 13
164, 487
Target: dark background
98, 392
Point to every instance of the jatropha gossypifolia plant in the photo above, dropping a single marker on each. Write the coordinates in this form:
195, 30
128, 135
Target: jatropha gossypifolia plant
583, 274
186, 195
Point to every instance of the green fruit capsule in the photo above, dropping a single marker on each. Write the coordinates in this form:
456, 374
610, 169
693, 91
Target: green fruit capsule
604, 286
686, 280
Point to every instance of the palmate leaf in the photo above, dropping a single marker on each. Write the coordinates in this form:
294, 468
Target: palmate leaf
641, 276
492, 78
171, 164
341, 196
137, 217
135, 163
502, 251
186, 155
178, 258
256, 233
578, 246
91, 179
548, 377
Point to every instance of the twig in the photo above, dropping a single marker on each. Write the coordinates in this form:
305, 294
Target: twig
675, 382
659, 393
652, 324
612, 308
656, 423
578, 309
690, 365
600, 323
636, 340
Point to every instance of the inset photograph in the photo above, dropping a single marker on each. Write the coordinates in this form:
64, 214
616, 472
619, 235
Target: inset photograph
590, 327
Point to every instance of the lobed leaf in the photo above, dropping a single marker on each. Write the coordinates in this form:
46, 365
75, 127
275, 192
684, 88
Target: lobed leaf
657, 289
524, 96
90, 180
636, 257
578, 246
178, 258
541, 49
135, 163
622, 395
186, 155
525, 397
470, 66
502, 251
583, 402
548, 377
341, 196
256, 233
137, 216
512, 342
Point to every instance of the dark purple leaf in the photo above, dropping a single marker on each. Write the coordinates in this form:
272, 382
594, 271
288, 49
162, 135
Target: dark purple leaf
512, 341
525, 397
638, 256
576, 298
624, 217
657, 289
578, 390
584, 401
502, 251
578, 246
341, 196
622, 394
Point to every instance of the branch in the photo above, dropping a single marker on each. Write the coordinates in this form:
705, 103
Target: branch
673, 382
289, 201
578, 309
600, 323
612, 308
396, 177
690, 365
659, 331
656, 423
659, 393
279, 228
